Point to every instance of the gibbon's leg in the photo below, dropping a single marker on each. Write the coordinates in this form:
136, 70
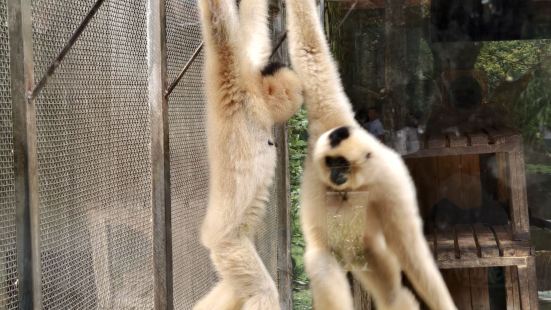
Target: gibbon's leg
330, 288
229, 226
238, 263
387, 296
325, 99
222, 297
404, 235
254, 35
381, 275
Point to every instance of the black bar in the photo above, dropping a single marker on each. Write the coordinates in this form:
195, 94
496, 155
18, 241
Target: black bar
160, 156
184, 70
25, 156
352, 7
279, 43
57, 61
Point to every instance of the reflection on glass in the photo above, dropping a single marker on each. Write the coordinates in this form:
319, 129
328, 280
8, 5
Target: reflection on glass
462, 89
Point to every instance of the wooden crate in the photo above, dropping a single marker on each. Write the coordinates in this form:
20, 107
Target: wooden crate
448, 166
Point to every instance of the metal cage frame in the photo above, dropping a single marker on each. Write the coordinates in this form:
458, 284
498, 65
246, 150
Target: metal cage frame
25, 88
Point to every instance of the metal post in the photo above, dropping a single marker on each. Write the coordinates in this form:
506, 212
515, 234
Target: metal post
160, 155
25, 155
284, 265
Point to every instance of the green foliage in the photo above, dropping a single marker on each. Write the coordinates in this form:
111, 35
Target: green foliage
509, 61
297, 152
538, 169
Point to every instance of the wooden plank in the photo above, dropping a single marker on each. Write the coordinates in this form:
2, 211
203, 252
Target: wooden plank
478, 138
480, 296
532, 281
480, 262
470, 181
463, 251
507, 246
519, 204
437, 141
472, 149
466, 242
282, 183
511, 288
486, 241
458, 141
449, 179
458, 282
524, 287
503, 188
427, 179
495, 135
543, 266
418, 175
445, 241
503, 135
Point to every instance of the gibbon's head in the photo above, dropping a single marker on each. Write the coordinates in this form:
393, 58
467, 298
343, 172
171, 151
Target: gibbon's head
347, 158
281, 86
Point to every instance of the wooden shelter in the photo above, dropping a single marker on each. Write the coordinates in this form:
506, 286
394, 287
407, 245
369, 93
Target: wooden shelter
448, 166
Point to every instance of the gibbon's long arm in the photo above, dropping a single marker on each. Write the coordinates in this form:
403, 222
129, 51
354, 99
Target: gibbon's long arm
311, 59
221, 36
255, 35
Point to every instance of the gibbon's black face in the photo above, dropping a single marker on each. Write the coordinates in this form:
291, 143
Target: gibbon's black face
339, 168
344, 158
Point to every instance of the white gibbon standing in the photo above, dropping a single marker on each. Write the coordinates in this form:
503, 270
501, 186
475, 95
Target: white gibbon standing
246, 95
385, 236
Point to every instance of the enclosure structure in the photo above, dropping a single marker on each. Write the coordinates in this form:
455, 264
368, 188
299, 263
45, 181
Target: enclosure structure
449, 167
103, 169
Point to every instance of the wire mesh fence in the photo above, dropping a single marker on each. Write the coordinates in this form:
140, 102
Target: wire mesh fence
94, 160
193, 273
93, 157
8, 274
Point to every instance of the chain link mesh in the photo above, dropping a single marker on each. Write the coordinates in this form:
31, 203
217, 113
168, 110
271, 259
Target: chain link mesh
93, 154
94, 164
193, 272
8, 263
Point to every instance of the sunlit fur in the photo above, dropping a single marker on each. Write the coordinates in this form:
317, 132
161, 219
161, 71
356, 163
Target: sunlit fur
243, 105
389, 232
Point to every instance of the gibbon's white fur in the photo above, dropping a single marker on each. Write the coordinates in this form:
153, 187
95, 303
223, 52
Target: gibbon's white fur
342, 157
246, 96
